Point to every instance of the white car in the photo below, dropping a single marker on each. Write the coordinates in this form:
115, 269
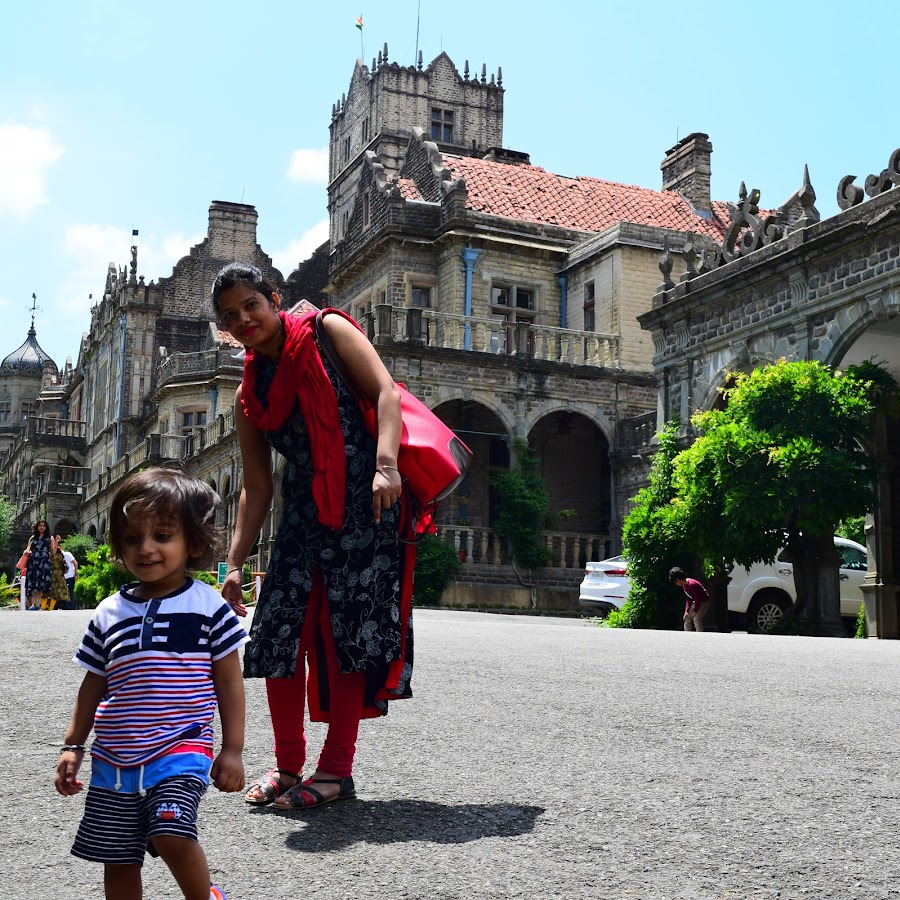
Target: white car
759, 596
605, 585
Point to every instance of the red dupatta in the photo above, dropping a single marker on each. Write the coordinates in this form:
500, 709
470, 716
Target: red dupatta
301, 376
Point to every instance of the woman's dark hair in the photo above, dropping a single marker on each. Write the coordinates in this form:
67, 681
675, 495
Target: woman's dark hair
242, 273
676, 574
163, 493
36, 533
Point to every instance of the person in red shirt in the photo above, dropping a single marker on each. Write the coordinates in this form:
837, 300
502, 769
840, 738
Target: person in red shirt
696, 599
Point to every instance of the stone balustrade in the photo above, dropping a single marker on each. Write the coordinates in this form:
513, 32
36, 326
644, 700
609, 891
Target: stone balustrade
523, 339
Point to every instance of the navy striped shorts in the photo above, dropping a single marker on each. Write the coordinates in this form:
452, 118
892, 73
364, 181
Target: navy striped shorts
118, 825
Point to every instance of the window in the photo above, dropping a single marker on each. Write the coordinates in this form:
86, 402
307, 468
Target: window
511, 296
5, 410
851, 558
345, 223
442, 125
511, 304
366, 212
192, 420
365, 130
420, 296
346, 148
27, 410
589, 321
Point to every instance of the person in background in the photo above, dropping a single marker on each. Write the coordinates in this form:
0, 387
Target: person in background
696, 602
59, 590
39, 574
71, 574
160, 655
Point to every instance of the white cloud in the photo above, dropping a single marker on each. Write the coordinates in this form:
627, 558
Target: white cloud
26, 155
301, 249
309, 166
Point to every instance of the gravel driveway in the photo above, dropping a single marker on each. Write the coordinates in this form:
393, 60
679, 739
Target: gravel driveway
540, 758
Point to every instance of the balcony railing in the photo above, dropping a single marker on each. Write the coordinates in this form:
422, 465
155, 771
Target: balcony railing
525, 340
206, 362
484, 547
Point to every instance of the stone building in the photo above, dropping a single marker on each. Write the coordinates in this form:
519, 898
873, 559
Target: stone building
503, 295
787, 284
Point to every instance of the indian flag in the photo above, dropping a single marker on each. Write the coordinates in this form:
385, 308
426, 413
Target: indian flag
359, 23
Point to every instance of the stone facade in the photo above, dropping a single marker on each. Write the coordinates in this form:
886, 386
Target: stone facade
819, 290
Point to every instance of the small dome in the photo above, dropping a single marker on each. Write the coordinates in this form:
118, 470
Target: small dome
29, 359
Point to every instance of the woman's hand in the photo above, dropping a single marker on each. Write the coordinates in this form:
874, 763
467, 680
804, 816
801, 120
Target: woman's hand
386, 489
232, 591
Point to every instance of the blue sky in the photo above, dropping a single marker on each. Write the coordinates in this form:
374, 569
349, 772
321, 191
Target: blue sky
119, 115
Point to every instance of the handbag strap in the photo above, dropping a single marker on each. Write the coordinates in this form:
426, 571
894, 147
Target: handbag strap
327, 351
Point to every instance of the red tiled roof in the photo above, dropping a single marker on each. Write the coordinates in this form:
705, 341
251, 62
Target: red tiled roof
226, 337
409, 190
533, 194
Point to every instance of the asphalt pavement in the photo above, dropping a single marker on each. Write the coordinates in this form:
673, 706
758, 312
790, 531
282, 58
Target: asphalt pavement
539, 758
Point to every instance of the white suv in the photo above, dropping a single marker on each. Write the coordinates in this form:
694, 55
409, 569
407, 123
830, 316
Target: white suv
764, 593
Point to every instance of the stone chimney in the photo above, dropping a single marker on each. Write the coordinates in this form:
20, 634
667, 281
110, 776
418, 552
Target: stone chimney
686, 169
232, 231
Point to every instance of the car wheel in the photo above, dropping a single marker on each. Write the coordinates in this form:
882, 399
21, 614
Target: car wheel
766, 611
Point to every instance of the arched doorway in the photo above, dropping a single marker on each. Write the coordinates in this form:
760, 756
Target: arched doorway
574, 456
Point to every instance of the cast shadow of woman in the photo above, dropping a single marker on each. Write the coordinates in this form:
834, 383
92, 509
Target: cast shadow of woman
399, 821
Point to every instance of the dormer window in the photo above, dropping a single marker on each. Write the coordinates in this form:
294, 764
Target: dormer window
442, 125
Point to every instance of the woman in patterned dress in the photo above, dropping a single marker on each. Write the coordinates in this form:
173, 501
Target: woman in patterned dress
38, 576
59, 590
337, 592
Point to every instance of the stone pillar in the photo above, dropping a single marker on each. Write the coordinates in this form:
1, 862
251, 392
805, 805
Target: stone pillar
881, 591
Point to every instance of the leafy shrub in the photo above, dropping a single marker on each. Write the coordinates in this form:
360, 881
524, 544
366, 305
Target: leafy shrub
9, 593
436, 561
862, 629
80, 545
99, 578
206, 577
854, 529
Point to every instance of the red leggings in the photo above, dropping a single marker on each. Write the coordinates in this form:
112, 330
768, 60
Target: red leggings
287, 698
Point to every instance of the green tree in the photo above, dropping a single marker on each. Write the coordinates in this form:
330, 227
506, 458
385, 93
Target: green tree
654, 539
99, 578
7, 516
523, 507
782, 465
80, 545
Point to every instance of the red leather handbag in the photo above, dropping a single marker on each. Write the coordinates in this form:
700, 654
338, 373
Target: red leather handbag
432, 459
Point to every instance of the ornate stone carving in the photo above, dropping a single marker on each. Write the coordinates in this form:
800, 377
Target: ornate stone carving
850, 194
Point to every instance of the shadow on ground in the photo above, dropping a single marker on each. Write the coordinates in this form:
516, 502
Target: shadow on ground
399, 821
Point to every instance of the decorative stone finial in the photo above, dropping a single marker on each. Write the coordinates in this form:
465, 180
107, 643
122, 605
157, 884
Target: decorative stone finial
689, 254
807, 197
385, 53
666, 264
466, 71
419, 63
499, 76
484, 73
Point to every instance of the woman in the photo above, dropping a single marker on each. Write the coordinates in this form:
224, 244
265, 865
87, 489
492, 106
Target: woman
38, 576
59, 590
338, 587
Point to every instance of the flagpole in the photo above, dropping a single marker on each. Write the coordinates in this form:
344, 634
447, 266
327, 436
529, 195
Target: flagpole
362, 52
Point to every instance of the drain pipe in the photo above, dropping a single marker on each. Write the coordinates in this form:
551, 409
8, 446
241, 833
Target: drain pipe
469, 255
563, 282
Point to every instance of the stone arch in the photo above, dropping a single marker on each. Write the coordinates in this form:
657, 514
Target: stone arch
869, 336
64, 527
483, 430
575, 463
582, 408
102, 535
92, 531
